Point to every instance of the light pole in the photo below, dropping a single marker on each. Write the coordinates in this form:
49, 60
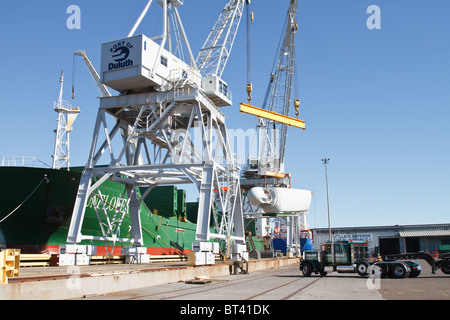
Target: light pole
325, 162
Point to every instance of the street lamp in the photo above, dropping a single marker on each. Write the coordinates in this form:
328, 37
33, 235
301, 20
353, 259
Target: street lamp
325, 162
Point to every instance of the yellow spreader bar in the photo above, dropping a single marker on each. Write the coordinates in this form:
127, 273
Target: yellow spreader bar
262, 113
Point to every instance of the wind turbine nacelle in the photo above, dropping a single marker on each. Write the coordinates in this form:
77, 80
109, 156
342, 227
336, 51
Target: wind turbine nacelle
280, 200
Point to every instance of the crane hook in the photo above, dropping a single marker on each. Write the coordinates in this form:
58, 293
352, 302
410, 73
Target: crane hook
296, 106
249, 92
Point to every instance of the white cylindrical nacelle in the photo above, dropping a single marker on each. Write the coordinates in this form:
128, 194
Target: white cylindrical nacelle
279, 200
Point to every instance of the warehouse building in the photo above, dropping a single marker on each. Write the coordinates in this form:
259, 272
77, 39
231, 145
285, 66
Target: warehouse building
391, 239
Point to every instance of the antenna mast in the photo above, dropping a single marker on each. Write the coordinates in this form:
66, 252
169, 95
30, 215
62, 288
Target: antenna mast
66, 117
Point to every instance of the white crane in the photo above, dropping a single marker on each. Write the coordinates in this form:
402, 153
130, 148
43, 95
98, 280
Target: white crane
102, 88
216, 50
272, 126
162, 101
268, 186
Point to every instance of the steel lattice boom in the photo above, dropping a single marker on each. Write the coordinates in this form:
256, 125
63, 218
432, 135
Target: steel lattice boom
214, 54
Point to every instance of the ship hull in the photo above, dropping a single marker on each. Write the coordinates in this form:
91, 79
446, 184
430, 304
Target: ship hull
38, 204
40, 224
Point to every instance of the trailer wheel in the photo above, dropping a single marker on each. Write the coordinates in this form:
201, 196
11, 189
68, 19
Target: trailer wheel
446, 269
399, 271
362, 268
414, 273
384, 271
307, 269
380, 270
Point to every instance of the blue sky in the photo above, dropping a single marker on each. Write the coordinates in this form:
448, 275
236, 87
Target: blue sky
376, 102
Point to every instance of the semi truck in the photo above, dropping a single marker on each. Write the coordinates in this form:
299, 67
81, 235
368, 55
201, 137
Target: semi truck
353, 257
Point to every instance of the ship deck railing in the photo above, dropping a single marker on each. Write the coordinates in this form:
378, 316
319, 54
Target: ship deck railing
22, 161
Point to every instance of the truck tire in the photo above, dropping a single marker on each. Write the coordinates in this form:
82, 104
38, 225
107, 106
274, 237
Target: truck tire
307, 269
414, 273
399, 271
362, 268
446, 269
382, 270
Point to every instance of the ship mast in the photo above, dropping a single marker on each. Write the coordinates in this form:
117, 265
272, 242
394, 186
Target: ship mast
66, 117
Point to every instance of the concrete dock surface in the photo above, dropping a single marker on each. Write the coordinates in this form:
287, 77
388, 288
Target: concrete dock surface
268, 279
71, 282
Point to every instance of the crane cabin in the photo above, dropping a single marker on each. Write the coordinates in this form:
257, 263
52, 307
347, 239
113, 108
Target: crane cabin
140, 64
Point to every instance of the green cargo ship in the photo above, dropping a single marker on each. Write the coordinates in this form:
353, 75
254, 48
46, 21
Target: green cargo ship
40, 224
37, 205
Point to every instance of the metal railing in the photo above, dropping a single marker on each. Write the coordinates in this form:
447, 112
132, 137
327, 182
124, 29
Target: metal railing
63, 104
22, 161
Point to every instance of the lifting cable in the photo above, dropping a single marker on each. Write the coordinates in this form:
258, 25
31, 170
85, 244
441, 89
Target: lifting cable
296, 86
73, 75
249, 49
17, 208
273, 72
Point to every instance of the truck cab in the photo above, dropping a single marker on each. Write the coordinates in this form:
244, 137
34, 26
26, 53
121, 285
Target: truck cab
342, 256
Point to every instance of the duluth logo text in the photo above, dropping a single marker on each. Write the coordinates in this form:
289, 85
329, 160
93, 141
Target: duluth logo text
121, 51
113, 66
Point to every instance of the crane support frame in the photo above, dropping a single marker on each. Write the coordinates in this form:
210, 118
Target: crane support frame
159, 123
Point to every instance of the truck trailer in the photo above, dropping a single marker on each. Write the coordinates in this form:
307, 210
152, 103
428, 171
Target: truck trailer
353, 257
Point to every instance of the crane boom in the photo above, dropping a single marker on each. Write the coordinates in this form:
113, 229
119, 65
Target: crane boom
268, 187
101, 87
216, 50
280, 90
274, 115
